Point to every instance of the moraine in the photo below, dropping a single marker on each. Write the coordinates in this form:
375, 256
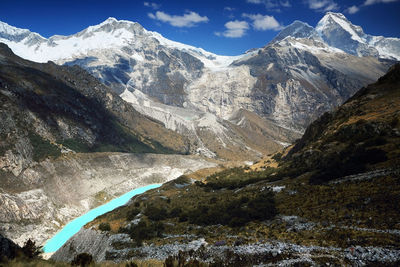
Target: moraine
53, 244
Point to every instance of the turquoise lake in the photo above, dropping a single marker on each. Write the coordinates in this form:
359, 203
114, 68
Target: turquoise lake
74, 226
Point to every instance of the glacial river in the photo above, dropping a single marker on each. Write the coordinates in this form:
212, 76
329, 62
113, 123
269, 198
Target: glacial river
74, 226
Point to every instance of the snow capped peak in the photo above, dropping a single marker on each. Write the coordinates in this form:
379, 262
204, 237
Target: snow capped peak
112, 24
336, 31
338, 23
335, 14
14, 34
109, 20
298, 23
11, 30
298, 29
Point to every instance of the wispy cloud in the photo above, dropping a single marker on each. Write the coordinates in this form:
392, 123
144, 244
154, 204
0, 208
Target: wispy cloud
189, 19
271, 4
152, 5
352, 9
228, 8
234, 29
263, 22
322, 5
372, 2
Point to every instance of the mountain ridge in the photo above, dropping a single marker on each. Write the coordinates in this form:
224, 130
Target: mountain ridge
195, 92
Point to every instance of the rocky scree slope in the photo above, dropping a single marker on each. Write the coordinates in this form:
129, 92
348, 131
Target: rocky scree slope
52, 120
285, 85
298, 207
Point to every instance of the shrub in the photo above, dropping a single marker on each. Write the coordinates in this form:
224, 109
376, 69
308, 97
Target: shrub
42, 148
132, 213
30, 250
175, 212
277, 156
145, 230
83, 259
236, 177
350, 161
234, 212
131, 264
394, 122
75, 145
104, 226
154, 213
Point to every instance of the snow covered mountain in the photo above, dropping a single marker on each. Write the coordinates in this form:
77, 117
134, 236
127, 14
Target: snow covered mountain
337, 31
249, 103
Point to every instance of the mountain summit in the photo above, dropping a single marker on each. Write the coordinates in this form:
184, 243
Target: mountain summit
297, 29
338, 32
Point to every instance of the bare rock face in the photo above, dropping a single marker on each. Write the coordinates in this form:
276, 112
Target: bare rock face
90, 241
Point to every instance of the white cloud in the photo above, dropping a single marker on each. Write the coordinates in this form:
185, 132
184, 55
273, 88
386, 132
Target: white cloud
152, 5
189, 19
285, 3
271, 3
372, 2
322, 5
263, 22
228, 8
352, 9
234, 29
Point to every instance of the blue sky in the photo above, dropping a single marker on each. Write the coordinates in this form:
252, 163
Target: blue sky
227, 27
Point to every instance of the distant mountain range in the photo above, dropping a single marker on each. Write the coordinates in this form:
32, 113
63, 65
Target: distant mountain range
244, 105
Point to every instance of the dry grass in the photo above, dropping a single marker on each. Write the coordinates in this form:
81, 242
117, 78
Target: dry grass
44, 263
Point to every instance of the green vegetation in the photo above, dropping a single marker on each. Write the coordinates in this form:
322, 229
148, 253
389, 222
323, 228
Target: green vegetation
75, 145
277, 156
28, 253
117, 139
340, 158
83, 259
42, 148
144, 230
233, 212
238, 177
105, 226
226, 209
30, 250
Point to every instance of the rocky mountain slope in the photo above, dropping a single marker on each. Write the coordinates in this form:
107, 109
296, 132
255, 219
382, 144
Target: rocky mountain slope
48, 110
331, 199
52, 121
284, 85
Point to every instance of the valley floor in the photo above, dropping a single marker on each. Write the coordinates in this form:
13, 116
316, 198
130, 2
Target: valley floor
340, 223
